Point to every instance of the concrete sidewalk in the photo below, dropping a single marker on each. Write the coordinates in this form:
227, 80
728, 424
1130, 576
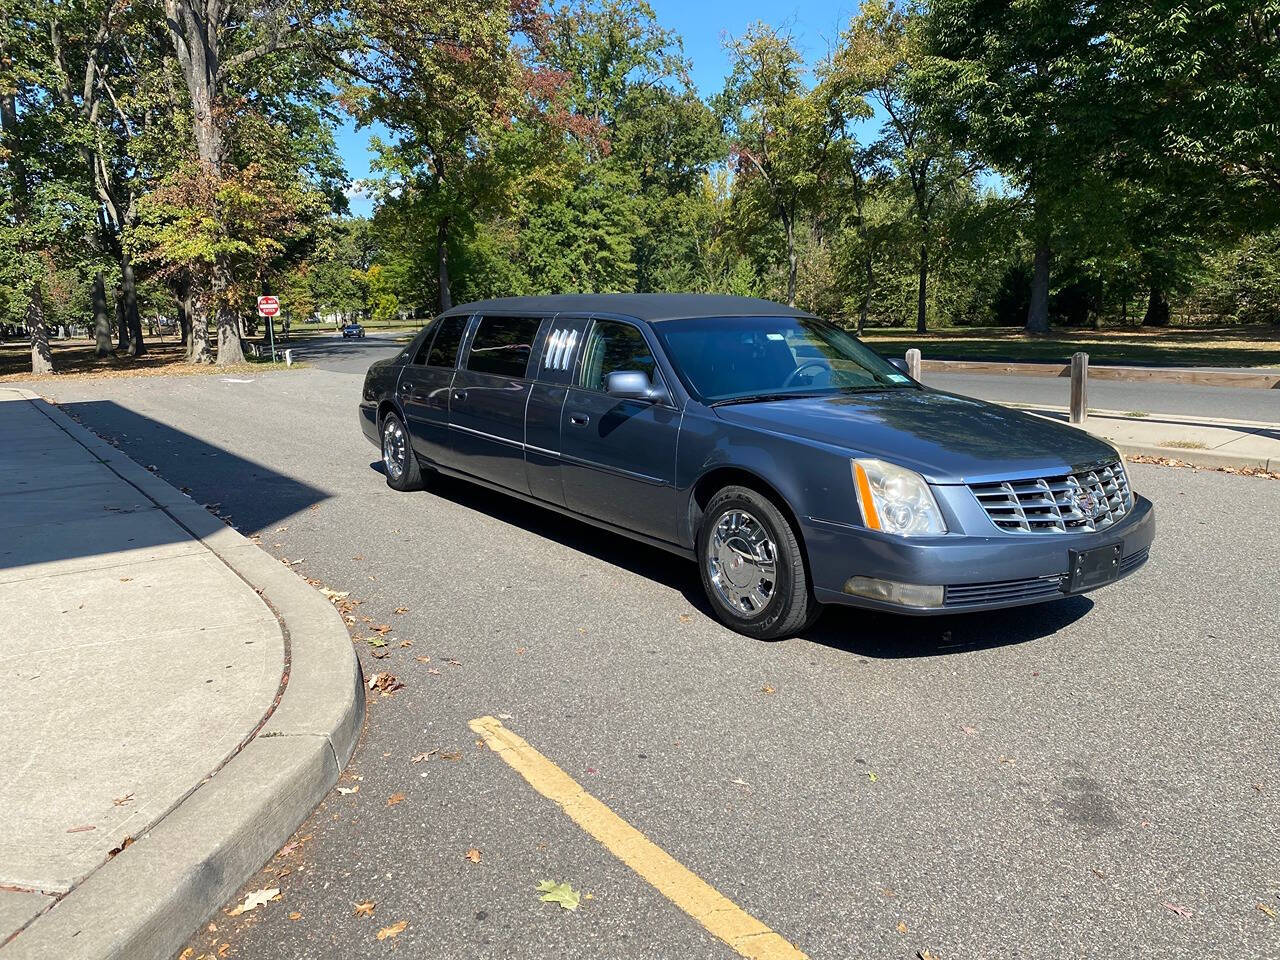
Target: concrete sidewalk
146, 645
1200, 441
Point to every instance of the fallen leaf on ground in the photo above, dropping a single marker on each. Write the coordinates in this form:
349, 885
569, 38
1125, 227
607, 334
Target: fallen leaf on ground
295, 916
1180, 911
385, 683
902, 927
335, 594
121, 801
254, 900
365, 909
406, 643
474, 856
224, 949
453, 663
381, 629
186, 954
766, 689
926, 955
419, 757
124, 845
1011, 761
394, 799
1269, 911
423, 659
504, 716
969, 730
392, 931
872, 777
125, 579
686, 617
560, 893
82, 828
400, 610
450, 755
345, 791
433, 671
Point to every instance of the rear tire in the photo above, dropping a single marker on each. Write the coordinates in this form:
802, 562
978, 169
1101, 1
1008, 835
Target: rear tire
752, 566
398, 459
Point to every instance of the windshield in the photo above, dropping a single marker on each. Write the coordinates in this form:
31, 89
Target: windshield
736, 359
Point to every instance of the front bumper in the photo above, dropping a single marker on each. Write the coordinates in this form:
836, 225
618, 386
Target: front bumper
977, 572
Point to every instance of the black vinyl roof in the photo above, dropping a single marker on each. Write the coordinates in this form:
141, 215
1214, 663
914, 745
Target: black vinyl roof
641, 306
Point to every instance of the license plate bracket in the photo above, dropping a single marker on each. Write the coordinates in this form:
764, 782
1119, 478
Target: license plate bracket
1093, 567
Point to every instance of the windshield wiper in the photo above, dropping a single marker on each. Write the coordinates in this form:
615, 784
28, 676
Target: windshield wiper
768, 398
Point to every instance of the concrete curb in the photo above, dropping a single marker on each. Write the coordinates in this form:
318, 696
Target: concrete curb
1207, 459
1260, 380
145, 902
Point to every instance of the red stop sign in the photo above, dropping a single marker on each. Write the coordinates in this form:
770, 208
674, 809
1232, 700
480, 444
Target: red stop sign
268, 306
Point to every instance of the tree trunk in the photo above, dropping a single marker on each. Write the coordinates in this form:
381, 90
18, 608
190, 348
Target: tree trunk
922, 289
865, 306
199, 333
184, 326
1038, 312
41, 355
101, 319
792, 264
1157, 309
129, 291
442, 265
122, 325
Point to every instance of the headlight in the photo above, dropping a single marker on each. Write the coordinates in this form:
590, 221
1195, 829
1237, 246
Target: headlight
896, 500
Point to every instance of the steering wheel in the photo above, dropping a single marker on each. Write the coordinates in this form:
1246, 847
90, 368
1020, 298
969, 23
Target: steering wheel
822, 364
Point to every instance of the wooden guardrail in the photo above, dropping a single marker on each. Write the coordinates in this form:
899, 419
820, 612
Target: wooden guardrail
1210, 378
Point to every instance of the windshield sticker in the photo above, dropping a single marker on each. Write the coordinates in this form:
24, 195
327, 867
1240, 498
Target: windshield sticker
899, 378
775, 336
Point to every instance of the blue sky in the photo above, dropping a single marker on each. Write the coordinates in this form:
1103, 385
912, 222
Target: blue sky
704, 25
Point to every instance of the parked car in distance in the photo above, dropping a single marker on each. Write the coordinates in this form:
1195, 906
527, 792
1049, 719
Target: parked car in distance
794, 464
353, 330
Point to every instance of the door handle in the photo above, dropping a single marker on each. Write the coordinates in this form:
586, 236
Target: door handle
459, 394
579, 419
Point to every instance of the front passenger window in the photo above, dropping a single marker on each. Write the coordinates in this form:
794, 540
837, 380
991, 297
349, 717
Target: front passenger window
612, 347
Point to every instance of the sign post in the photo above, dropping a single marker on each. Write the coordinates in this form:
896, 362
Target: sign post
268, 307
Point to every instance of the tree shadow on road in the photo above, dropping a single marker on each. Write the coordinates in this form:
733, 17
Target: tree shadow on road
864, 633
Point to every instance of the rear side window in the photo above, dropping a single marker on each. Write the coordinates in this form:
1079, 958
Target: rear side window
444, 348
502, 345
612, 347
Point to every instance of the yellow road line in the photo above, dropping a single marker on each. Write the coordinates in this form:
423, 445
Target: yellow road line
717, 913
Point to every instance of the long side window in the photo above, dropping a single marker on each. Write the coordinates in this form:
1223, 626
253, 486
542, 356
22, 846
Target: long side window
502, 345
612, 347
444, 348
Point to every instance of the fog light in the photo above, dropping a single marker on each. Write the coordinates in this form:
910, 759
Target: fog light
889, 591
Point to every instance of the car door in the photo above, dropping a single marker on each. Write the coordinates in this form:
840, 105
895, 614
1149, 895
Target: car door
552, 375
617, 457
487, 403
424, 387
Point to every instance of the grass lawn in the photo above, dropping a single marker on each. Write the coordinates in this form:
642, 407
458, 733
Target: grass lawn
1257, 346
74, 358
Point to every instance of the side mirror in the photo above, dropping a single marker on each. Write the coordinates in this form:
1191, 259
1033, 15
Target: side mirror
899, 363
633, 385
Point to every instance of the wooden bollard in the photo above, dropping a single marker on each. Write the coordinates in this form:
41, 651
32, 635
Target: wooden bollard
1079, 387
913, 363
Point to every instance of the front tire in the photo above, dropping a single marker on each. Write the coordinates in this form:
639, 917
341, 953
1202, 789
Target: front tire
752, 566
398, 459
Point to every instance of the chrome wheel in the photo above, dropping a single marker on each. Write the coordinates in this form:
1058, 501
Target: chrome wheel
742, 563
394, 449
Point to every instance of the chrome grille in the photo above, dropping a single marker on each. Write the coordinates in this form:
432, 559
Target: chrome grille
1080, 502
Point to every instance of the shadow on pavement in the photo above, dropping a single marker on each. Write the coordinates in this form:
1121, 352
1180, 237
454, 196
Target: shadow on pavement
861, 632
253, 495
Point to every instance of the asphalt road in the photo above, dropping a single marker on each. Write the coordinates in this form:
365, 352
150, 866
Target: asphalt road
1232, 403
1097, 777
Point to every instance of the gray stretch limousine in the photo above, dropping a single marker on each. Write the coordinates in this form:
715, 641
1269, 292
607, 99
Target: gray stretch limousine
795, 465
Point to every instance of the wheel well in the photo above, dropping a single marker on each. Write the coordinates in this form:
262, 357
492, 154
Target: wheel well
721, 477
385, 407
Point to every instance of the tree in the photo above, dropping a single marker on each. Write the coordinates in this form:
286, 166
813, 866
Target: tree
781, 131
1027, 87
874, 61
448, 80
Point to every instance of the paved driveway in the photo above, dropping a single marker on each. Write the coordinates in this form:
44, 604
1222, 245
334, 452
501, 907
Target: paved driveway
1092, 778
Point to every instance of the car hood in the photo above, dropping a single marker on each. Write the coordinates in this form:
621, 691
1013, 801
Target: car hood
943, 436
